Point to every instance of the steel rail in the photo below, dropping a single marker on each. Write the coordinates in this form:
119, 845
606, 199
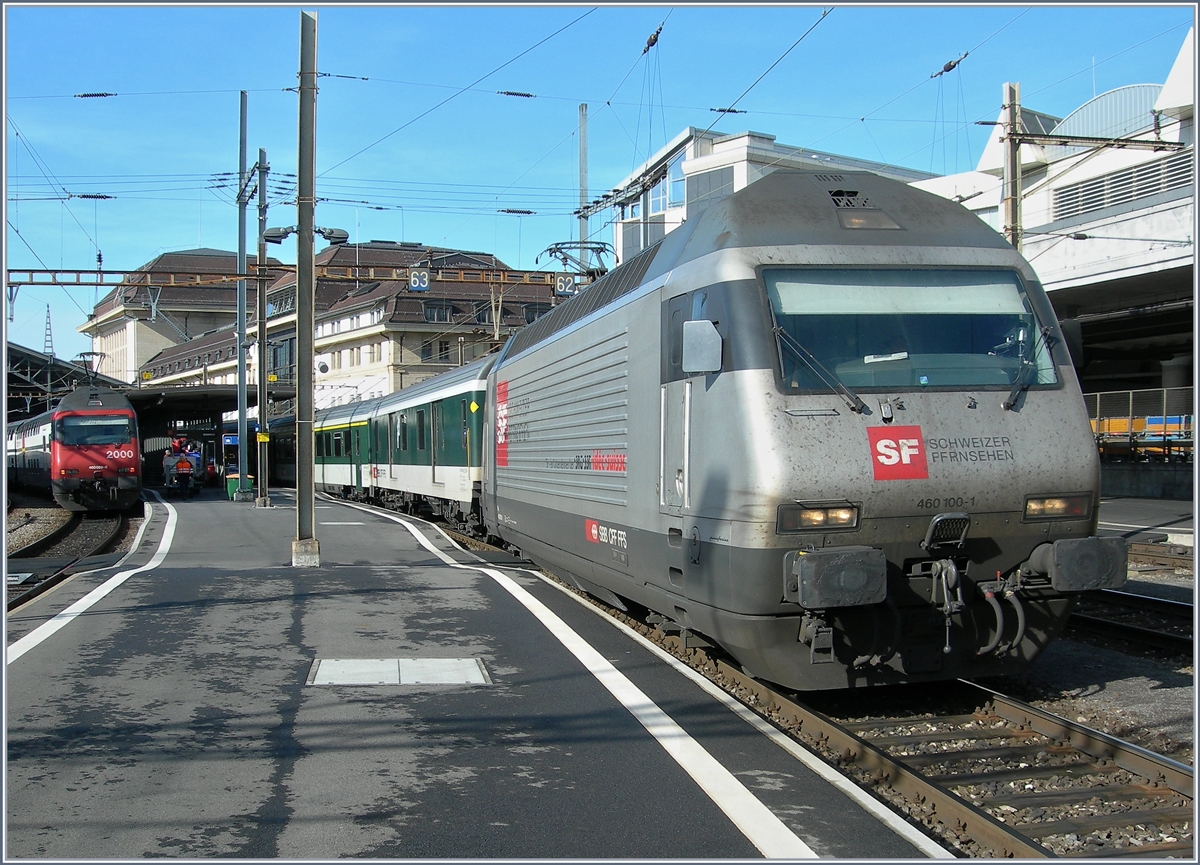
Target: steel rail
44, 543
66, 572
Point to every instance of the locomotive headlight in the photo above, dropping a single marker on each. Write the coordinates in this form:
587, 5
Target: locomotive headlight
1058, 507
801, 518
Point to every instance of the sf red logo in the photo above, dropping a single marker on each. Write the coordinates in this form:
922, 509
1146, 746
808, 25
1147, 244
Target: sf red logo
897, 453
591, 531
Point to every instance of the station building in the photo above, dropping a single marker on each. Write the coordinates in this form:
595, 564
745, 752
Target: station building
172, 299
377, 329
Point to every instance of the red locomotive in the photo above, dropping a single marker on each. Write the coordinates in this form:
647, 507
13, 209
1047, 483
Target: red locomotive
85, 451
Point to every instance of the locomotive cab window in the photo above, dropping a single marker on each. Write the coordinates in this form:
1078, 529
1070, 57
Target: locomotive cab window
94, 430
908, 329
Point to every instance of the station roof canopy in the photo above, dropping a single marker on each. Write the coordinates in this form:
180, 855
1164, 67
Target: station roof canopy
158, 408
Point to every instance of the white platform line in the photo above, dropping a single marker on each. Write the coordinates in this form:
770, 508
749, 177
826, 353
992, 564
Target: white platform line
865, 800
870, 804
753, 819
47, 629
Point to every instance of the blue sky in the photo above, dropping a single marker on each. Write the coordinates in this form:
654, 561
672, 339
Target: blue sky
393, 163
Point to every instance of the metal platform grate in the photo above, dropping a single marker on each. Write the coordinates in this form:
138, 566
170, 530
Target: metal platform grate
398, 671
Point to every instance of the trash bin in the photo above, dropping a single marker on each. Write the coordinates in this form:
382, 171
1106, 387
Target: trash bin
231, 484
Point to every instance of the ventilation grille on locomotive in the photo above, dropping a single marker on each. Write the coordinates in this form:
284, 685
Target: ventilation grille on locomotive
618, 281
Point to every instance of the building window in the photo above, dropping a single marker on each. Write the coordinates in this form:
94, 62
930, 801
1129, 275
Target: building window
438, 311
534, 311
676, 183
483, 312
658, 197
282, 302
435, 351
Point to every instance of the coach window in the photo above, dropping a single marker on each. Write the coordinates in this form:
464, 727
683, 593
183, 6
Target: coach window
464, 423
403, 434
320, 444
337, 444
421, 430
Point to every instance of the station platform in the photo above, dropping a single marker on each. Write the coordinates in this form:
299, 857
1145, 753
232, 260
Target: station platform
203, 698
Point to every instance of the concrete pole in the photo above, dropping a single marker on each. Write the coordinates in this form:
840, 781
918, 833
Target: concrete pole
243, 492
1012, 164
306, 552
263, 500
583, 178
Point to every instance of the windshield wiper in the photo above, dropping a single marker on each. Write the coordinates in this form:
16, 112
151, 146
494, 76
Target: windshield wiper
1021, 384
852, 399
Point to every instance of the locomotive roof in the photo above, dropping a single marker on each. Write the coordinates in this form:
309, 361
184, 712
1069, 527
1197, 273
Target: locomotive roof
91, 398
785, 208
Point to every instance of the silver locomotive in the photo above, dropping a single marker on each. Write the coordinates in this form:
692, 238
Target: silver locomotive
830, 424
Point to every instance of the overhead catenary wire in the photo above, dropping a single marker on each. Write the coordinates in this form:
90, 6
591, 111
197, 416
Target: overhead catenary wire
803, 36
42, 263
45, 170
459, 92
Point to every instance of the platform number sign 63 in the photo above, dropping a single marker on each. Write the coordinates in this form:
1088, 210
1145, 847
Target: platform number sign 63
418, 279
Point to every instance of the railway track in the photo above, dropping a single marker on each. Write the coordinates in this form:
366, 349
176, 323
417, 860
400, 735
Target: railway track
1000, 780
990, 777
79, 539
1174, 558
1137, 619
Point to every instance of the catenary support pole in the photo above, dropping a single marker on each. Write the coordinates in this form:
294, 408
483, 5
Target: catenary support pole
583, 179
1012, 164
306, 551
243, 492
264, 350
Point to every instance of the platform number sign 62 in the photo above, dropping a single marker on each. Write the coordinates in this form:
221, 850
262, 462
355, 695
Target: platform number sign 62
418, 279
564, 284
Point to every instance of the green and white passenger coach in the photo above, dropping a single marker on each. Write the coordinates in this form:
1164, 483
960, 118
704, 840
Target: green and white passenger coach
421, 445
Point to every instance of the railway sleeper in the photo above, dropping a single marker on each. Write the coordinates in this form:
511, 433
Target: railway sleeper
1015, 752
1028, 773
1074, 795
1178, 849
945, 736
1110, 820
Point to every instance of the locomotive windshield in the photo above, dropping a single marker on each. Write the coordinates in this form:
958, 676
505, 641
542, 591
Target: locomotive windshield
94, 430
906, 329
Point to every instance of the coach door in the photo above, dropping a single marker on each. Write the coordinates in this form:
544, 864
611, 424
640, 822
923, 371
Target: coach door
435, 437
356, 434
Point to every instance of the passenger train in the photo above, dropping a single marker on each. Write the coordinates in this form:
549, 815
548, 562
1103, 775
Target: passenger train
829, 424
85, 452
